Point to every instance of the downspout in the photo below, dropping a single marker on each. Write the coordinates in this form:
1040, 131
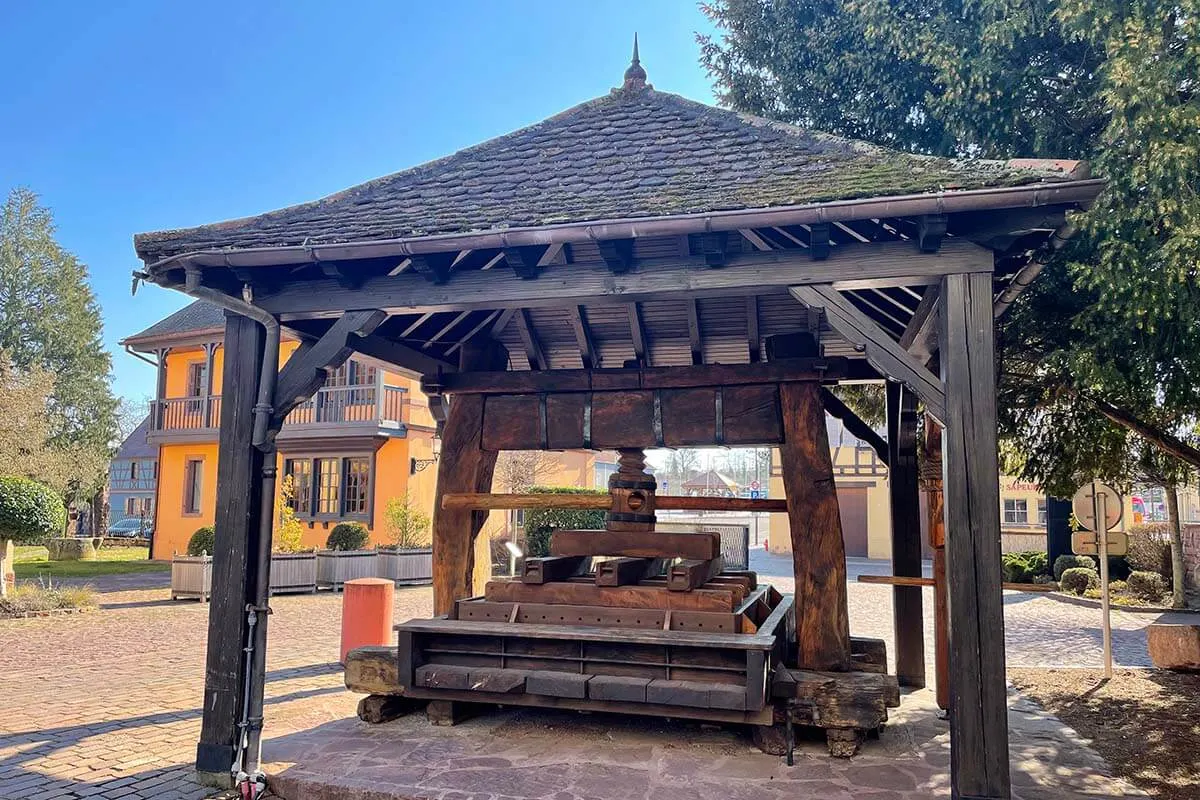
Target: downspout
1027, 273
248, 756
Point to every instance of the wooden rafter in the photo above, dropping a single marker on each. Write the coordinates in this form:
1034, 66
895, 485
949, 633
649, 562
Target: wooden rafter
445, 329
471, 333
753, 337
695, 338
421, 320
400, 356
637, 332
867, 297
588, 353
919, 335
529, 339
403, 265
884, 352
752, 236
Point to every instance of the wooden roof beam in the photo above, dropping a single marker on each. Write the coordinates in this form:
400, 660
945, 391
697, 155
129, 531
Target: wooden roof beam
695, 338
529, 339
753, 336
617, 254
884, 352
471, 333
855, 424
918, 337
637, 332
445, 329
588, 353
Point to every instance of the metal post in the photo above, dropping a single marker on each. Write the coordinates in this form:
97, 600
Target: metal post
1100, 503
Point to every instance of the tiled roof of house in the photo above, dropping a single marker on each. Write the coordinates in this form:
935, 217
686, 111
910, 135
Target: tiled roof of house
633, 153
135, 444
196, 316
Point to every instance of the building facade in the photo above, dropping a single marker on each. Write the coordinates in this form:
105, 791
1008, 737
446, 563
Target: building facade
133, 477
363, 441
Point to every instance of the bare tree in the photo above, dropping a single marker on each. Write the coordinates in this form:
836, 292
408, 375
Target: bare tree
520, 470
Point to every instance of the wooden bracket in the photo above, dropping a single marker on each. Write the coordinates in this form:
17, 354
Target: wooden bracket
434, 266
921, 333
884, 352
332, 269
836, 408
524, 260
305, 371
533, 347
931, 229
714, 245
617, 254
819, 242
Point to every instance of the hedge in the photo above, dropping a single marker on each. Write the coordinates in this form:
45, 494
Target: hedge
1079, 579
1147, 585
1025, 566
1150, 548
29, 511
1064, 563
539, 522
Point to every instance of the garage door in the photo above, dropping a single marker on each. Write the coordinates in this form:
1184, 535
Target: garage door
852, 503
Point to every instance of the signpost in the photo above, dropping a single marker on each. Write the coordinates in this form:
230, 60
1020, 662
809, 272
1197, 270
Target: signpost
1098, 508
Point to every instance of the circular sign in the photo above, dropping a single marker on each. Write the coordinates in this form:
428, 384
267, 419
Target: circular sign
1084, 504
754, 485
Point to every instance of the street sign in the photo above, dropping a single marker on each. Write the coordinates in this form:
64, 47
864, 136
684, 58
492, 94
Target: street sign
1084, 503
753, 494
1086, 543
755, 485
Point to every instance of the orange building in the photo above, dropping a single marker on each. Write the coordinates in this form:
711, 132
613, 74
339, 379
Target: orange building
365, 437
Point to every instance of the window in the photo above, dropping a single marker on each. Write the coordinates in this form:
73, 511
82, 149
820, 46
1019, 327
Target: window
193, 476
131, 506
133, 470
1016, 512
357, 485
603, 471
300, 470
329, 479
197, 379
333, 487
352, 373
1042, 514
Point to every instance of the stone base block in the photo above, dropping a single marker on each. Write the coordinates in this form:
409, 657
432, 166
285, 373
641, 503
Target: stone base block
1175, 647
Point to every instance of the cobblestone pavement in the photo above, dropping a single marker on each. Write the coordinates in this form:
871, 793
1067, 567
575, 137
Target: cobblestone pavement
107, 704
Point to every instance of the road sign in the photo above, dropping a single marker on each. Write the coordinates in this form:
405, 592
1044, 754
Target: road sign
1084, 503
664, 487
753, 494
1086, 543
755, 485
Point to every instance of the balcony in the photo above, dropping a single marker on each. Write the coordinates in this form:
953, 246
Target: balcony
333, 411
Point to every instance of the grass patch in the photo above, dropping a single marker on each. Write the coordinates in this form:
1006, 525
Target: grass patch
34, 597
32, 561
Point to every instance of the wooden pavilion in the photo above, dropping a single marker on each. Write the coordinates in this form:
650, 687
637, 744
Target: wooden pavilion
642, 270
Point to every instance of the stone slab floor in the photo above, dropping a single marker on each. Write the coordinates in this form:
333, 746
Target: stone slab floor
107, 705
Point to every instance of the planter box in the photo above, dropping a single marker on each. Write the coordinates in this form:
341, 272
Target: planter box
407, 566
335, 567
191, 577
293, 572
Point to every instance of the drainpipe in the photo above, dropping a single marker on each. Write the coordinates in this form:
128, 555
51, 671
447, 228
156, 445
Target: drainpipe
249, 735
1027, 273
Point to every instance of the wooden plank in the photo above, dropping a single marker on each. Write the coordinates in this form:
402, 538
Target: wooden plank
616, 378
559, 614
557, 684
672, 277
464, 466
882, 351
625, 570
618, 688
553, 568
689, 416
637, 333
503, 632
639, 544
904, 496
372, 670
677, 693
979, 765
931, 484
751, 414
480, 500
235, 564
588, 353
498, 679
896, 580
690, 573
818, 552
529, 339
920, 336
753, 338
695, 335
588, 594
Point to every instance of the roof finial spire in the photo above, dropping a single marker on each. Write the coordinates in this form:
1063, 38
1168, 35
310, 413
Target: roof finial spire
635, 76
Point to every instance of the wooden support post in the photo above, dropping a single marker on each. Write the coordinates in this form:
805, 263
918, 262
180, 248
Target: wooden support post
818, 552
464, 466
978, 708
931, 484
235, 558
904, 495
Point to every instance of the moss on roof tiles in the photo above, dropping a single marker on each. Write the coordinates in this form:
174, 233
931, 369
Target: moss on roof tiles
628, 154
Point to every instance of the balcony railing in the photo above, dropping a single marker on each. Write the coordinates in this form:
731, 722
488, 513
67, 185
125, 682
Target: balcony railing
330, 405
131, 484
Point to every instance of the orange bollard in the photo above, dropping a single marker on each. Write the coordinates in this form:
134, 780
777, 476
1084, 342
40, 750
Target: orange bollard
366, 613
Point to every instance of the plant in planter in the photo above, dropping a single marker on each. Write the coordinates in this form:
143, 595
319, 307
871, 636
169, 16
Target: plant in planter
29, 513
203, 541
408, 558
293, 569
191, 574
345, 557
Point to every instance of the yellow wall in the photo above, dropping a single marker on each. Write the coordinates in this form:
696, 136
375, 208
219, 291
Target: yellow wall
173, 528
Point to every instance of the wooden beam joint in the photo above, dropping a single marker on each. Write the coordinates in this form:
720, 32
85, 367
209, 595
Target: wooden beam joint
617, 254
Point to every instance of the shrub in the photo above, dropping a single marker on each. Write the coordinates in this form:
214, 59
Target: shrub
347, 536
1147, 585
29, 511
31, 597
1118, 568
1118, 587
289, 533
539, 522
407, 525
1150, 548
1024, 567
1064, 563
1079, 579
204, 540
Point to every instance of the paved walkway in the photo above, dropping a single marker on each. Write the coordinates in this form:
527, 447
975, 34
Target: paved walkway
107, 704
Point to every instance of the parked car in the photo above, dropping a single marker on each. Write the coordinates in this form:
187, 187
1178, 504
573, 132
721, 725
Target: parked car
131, 528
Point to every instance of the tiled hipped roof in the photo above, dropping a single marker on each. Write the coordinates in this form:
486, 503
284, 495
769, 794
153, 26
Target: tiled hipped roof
196, 316
633, 153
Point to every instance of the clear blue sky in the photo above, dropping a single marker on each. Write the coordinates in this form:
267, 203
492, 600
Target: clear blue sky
138, 116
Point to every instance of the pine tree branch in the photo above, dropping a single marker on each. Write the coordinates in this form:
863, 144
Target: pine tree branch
1167, 442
